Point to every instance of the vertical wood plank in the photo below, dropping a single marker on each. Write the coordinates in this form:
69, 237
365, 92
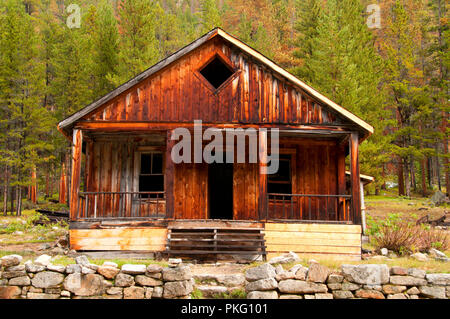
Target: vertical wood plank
76, 172
354, 178
169, 174
262, 185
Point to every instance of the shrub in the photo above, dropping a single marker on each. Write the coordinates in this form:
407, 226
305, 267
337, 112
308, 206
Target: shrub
403, 238
433, 238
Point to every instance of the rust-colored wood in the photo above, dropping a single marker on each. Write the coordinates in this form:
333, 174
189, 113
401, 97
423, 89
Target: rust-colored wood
354, 179
262, 185
169, 176
76, 172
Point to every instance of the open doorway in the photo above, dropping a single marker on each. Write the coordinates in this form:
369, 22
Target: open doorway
220, 190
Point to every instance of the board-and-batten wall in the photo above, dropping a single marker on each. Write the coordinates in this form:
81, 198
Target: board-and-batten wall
178, 93
111, 166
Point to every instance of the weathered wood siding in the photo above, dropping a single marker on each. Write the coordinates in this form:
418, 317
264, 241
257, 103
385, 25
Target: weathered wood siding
321, 240
178, 93
131, 239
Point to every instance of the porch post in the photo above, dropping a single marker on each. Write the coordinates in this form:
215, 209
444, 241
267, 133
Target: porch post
262, 187
76, 172
354, 178
169, 175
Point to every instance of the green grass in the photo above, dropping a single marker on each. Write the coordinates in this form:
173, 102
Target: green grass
196, 294
121, 262
235, 294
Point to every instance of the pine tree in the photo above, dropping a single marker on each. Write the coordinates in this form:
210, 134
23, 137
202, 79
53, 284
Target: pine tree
27, 121
137, 45
210, 16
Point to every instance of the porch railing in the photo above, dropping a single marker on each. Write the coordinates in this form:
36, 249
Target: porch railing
103, 205
319, 207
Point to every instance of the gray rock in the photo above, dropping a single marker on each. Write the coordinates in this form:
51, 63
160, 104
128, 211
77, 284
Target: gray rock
47, 279
393, 289
334, 278
153, 268
148, 292
261, 272
110, 264
262, 295
397, 296
438, 279
82, 260
84, 285
407, 281
173, 262
114, 291
134, 269
309, 296
284, 259
342, 294
292, 286
418, 273
13, 274
436, 253
335, 286
86, 270
413, 291
231, 280
211, 291
147, 281
433, 292
20, 281
133, 292
65, 293
290, 297
384, 251
57, 268
177, 289
400, 271
43, 260
10, 260
177, 274
72, 269
301, 273
419, 257
317, 273
157, 292
438, 198
350, 286
124, 280
370, 274
262, 284
33, 268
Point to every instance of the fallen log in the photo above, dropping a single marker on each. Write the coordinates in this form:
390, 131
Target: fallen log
437, 222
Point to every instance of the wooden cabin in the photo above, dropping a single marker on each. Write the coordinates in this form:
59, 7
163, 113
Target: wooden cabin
127, 194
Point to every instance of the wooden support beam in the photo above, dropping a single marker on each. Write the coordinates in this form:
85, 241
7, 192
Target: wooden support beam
354, 178
341, 182
76, 172
262, 185
169, 176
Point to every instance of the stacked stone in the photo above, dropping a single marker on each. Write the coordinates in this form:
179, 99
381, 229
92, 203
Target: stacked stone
370, 281
42, 280
217, 285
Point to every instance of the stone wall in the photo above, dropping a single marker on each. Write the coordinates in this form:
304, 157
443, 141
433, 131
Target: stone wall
42, 280
367, 281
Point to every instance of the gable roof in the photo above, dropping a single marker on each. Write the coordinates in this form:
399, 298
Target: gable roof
66, 124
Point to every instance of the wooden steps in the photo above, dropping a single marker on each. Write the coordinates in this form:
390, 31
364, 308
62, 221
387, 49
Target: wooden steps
212, 242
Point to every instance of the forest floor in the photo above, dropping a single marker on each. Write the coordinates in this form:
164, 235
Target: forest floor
18, 235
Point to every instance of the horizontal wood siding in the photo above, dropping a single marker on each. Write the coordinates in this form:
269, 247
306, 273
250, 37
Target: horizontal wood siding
179, 93
138, 239
333, 241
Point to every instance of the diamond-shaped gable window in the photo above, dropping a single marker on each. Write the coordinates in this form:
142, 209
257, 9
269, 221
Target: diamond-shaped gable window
216, 72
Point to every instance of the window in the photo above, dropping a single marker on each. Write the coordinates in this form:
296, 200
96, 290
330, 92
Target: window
281, 182
216, 72
151, 176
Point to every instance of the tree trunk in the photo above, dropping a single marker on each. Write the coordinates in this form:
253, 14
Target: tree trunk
401, 185
5, 192
407, 180
19, 201
423, 176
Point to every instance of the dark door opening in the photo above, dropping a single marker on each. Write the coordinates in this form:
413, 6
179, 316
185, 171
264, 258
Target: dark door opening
220, 190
